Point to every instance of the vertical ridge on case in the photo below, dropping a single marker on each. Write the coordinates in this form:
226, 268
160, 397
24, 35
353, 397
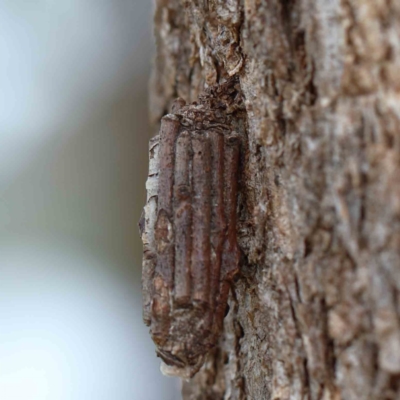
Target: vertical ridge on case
230, 252
201, 190
164, 230
217, 213
230, 258
164, 235
182, 218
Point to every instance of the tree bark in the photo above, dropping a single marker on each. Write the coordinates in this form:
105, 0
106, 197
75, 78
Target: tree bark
314, 313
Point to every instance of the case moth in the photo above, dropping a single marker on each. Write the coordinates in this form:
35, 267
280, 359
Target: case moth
188, 227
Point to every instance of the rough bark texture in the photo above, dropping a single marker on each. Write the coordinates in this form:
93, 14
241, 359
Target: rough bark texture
314, 313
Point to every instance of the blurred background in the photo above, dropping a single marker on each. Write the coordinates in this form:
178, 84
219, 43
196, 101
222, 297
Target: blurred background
73, 162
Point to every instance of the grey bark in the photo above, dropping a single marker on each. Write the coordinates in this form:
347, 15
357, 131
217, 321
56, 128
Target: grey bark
314, 313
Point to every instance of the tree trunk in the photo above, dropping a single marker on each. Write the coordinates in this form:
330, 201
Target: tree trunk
314, 313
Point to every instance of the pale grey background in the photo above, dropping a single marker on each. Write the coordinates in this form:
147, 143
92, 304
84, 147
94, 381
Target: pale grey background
73, 160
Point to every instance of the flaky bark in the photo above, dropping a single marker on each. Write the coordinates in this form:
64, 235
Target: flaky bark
314, 313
